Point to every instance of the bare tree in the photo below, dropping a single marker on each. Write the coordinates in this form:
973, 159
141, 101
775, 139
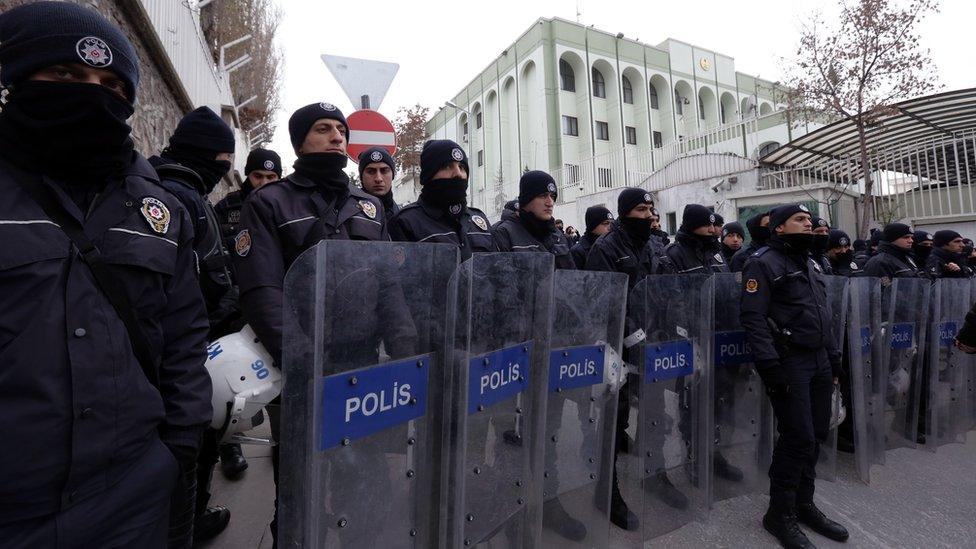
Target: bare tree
223, 22
857, 68
411, 132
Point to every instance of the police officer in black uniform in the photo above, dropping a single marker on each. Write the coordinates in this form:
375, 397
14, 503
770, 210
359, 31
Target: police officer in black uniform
894, 258
598, 223
732, 237
102, 326
946, 259
441, 212
376, 172
534, 229
922, 247
695, 249
786, 316
197, 157
263, 166
821, 240
841, 255
758, 234
280, 221
871, 249
659, 239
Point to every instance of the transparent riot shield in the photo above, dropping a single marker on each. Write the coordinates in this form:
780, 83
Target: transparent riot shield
947, 412
906, 306
364, 363
502, 310
838, 297
743, 418
587, 334
865, 347
666, 470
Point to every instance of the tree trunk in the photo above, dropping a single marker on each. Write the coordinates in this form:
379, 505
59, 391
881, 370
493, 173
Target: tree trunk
867, 199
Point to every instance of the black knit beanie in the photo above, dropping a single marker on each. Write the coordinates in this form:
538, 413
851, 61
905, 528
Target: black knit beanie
818, 222
943, 237
38, 35
837, 239
922, 236
534, 183
695, 216
719, 220
596, 215
373, 155
733, 228
894, 231
263, 159
782, 214
304, 118
438, 153
630, 198
203, 129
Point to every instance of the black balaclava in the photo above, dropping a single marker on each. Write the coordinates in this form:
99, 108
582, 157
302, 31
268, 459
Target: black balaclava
794, 243
326, 171
199, 137
757, 232
448, 195
638, 229
922, 252
201, 161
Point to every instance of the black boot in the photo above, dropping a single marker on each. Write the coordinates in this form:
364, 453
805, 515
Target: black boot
232, 461
725, 470
783, 525
660, 485
620, 515
210, 523
819, 523
556, 518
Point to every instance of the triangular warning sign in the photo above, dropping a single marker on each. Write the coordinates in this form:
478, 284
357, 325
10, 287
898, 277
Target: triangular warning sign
361, 78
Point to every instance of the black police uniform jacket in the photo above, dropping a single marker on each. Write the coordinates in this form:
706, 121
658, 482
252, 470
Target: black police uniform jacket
689, 254
787, 288
935, 265
511, 236
229, 214
892, 262
77, 408
739, 259
825, 266
849, 268
421, 221
278, 223
581, 249
658, 241
617, 252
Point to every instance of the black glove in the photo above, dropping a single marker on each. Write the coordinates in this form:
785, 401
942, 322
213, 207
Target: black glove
773, 376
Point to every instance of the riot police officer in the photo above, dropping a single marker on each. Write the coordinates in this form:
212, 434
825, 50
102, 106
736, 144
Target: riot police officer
946, 259
894, 259
376, 172
758, 233
598, 222
732, 238
263, 166
659, 239
821, 240
871, 249
534, 230
197, 157
102, 326
922, 247
441, 212
695, 249
841, 255
786, 316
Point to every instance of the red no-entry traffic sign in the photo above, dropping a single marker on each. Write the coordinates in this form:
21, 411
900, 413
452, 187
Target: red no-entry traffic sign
367, 129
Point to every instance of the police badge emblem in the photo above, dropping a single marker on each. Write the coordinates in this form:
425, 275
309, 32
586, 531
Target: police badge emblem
457, 154
853, 265
327, 107
269, 165
647, 197
752, 285
368, 208
455, 209
376, 156
711, 219
719, 258
242, 243
803, 208
480, 222
551, 187
94, 51
156, 214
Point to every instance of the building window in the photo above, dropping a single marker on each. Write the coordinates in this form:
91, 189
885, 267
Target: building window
567, 77
572, 173
477, 120
658, 140
721, 111
678, 104
628, 91
768, 148
701, 108
570, 125
652, 91
631, 135
604, 177
602, 131
672, 222
464, 131
481, 157
599, 85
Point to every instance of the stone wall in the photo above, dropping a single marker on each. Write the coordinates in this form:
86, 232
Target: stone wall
158, 105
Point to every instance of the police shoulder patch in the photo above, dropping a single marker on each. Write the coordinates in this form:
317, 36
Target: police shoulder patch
718, 257
156, 214
752, 285
368, 208
480, 222
853, 265
242, 243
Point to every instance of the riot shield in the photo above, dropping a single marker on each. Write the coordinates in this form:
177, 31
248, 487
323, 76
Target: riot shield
364, 362
865, 347
838, 298
906, 306
743, 418
666, 470
587, 332
947, 413
502, 310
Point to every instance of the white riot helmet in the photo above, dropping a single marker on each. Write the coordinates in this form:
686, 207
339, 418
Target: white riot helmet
244, 381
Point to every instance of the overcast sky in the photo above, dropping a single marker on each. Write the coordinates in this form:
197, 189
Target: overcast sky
441, 45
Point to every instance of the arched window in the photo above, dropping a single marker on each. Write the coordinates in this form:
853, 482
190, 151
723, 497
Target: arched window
567, 78
721, 111
678, 103
628, 91
768, 148
599, 85
652, 93
701, 108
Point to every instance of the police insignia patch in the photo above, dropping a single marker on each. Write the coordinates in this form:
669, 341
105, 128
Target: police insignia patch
242, 243
457, 154
551, 187
480, 222
853, 265
156, 214
368, 208
804, 208
376, 156
719, 258
647, 197
268, 165
94, 51
816, 266
455, 209
752, 285
327, 107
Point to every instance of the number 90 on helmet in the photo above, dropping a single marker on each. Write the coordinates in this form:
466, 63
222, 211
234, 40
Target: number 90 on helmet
244, 381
